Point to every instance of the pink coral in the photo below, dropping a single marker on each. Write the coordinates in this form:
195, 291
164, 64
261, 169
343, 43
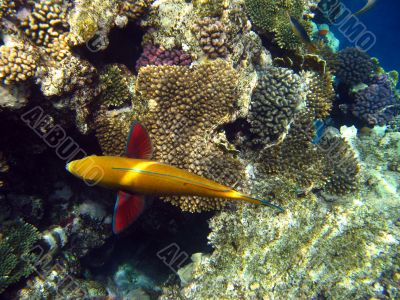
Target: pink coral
158, 56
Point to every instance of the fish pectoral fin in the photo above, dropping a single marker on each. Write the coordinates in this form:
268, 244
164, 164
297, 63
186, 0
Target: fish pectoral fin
128, 208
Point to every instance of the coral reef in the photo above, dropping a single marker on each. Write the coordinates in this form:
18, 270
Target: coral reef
321, 93
18, 62
186, 107
47, 27
16, 242
377, 104
277, 97
313, 250
211, 34
273, 17
158, 56
353, 66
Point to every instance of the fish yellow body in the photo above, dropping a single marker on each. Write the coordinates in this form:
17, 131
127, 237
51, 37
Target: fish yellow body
135, 176
149, 177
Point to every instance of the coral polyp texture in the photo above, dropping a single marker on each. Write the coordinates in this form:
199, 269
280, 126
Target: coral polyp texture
212, 37
321, 93
353, 66
377, 104
158, 56
47, 26
275, 100
18, 62
314, 249
273, 17
186, 107
17, 239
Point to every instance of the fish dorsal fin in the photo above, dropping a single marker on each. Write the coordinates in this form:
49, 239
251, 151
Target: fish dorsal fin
128, 208
139, 144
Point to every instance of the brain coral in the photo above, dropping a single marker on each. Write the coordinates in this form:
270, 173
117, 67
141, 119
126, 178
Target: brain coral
353, 66
186, 107
277, 97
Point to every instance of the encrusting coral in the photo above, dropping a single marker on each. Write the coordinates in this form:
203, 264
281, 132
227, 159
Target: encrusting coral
186, 107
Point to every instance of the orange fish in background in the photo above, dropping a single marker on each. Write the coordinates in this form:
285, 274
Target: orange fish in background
323, 30
136, 176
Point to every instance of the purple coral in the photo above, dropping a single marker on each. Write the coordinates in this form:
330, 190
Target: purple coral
377, 104
154, 55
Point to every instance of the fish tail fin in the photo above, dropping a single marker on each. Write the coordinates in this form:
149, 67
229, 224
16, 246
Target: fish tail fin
259, 201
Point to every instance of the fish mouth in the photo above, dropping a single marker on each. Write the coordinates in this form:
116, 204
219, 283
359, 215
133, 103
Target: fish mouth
68, 167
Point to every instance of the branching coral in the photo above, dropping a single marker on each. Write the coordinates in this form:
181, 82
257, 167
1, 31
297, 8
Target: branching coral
342, 168
47, 27
296, 158
272, 17
186, 107
377, 104
135, 9
18, 62
277, 97
353, 66
16, 241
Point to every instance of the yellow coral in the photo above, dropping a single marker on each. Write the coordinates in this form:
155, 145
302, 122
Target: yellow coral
17, 62
47, 27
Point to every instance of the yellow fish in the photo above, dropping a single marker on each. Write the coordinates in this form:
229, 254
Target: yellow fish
135, 176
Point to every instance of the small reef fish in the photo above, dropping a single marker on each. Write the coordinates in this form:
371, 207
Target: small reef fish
301, 32
323, 30
136, 176
367, 7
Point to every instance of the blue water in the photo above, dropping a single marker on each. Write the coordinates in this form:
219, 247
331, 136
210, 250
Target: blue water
383, 20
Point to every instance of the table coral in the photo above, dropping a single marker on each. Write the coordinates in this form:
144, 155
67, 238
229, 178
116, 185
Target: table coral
186, 107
